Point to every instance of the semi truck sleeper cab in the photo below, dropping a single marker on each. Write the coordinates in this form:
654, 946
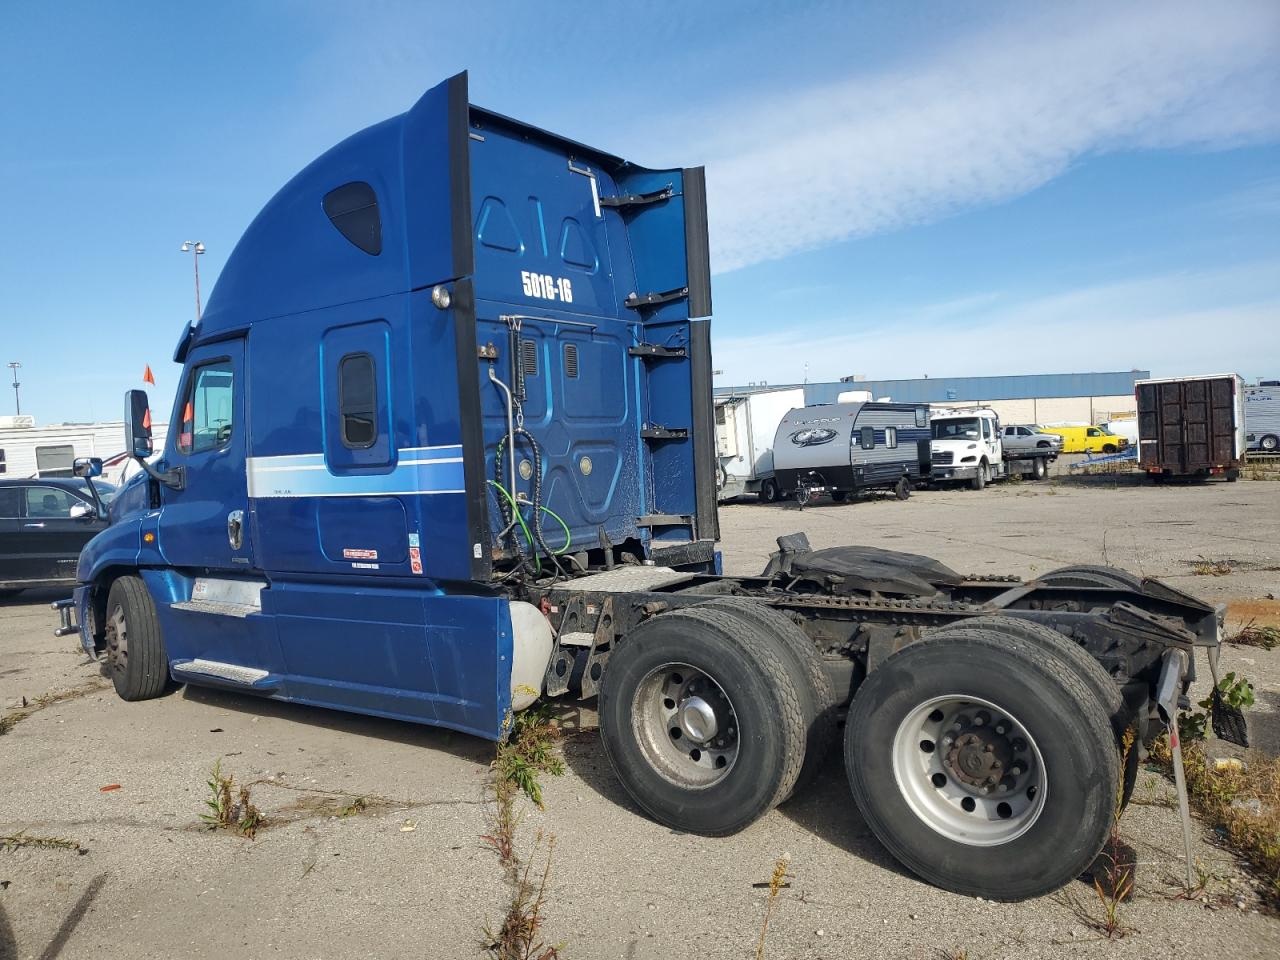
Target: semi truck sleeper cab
444, 445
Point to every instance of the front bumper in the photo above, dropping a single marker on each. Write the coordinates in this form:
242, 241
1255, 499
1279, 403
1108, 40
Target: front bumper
74, 617
961, 471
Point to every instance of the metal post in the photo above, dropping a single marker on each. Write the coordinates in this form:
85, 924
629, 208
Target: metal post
17, 400
195, 248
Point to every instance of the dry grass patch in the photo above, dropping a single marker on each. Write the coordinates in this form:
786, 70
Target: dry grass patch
1241, 802
1205, 567
30, 707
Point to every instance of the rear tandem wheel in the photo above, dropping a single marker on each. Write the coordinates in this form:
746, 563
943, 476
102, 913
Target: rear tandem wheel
986, 767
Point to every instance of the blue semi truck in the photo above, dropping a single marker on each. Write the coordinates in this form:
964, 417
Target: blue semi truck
444, 445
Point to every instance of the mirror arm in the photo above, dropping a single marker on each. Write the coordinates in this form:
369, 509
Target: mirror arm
175, 479
98, 505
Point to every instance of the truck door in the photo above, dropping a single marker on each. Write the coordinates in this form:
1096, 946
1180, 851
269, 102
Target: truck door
206, 524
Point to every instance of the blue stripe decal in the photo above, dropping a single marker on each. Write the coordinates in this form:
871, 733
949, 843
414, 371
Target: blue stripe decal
419, 471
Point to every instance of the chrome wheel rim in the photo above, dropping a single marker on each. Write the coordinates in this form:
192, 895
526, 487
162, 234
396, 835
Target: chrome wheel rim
117, 631
686, 725
970, 770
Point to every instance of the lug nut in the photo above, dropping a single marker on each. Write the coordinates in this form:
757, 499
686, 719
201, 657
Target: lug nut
948, 740
1015, 770
984, 790
1001, 729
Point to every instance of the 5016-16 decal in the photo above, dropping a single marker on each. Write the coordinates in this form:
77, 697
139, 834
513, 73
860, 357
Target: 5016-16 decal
546, 287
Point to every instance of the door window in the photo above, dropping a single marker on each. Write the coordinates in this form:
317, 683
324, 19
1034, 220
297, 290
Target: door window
207, 411
49, 503
10, 497
358, 400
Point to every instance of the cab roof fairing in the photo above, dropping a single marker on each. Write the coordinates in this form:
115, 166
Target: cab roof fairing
292, 259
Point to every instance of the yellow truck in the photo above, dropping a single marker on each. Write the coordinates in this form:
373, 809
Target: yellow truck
1088, 439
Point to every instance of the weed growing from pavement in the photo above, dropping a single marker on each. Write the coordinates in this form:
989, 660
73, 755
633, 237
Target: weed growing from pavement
15, 841
1204, 567
1114, 882
226, 813
775, 885
1253, 635
528, 753
29, 707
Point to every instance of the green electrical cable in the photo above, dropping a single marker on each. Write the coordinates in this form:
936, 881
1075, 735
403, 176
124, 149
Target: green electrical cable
568, 537
515, 509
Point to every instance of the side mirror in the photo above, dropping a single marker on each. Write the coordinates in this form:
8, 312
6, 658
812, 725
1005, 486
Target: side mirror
87, 467
137, 424
82, 511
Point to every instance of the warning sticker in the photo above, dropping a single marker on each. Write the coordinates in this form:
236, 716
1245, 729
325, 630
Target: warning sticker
353, 553
365, 566
415, 560
414, 540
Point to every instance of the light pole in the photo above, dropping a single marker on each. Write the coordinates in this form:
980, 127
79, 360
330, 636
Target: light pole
195, 248
15, 366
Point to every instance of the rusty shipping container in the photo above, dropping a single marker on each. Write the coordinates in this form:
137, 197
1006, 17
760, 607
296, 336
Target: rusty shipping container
1191, 426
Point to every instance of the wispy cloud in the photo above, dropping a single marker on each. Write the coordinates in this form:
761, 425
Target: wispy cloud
991, 116
1178, 324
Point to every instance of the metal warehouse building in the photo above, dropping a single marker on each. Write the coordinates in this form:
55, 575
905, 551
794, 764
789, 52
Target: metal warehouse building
1051, 398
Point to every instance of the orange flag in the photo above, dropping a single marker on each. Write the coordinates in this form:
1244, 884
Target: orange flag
148, 376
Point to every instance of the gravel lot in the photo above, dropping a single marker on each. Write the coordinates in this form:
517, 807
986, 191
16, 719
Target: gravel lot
408, 876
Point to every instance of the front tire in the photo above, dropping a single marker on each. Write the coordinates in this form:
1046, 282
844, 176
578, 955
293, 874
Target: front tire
701, 722
1052, 750
840, 496
980, 478
136, 659
1039, 469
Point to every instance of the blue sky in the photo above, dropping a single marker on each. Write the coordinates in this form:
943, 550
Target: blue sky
895, 189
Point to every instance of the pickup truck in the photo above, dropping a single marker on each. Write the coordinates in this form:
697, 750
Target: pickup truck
1019, 439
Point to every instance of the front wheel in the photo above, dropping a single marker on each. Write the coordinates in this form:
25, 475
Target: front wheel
1108, 448
136, 659
983, 765
980, 478
840, 496
1039, 469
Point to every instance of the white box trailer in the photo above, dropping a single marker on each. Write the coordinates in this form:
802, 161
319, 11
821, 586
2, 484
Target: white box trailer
1262, 417
745, 425
27, 450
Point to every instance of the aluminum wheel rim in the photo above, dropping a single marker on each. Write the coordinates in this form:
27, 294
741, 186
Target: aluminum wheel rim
686, 725
968, 793
117, 641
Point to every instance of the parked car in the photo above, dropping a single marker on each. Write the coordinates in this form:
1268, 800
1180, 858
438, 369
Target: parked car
1023, 438
1088, 439
43, 525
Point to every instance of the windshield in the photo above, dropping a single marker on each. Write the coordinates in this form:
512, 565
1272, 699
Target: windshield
965, 429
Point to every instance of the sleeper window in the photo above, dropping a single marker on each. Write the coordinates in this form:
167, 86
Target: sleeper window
207, 411
358, 400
